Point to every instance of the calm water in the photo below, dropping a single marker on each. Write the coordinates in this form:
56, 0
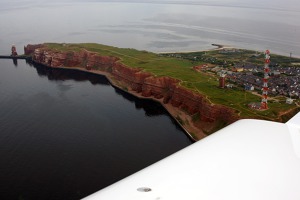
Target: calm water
154, 25
66, 134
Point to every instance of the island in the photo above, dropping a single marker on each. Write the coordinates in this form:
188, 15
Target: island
187, 84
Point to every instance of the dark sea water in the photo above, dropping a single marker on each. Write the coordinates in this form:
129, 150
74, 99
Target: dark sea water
65, 134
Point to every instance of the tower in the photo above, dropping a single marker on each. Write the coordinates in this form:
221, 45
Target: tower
222, 81
264, 100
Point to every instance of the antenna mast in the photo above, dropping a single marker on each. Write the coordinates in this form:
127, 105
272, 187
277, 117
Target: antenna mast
264, 100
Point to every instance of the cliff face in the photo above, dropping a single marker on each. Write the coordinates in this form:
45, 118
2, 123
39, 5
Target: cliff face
30, 48
165, 88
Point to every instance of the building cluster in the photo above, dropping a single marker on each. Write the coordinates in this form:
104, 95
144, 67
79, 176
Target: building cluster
283, 80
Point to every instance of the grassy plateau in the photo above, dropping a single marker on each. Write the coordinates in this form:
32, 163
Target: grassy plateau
180, 66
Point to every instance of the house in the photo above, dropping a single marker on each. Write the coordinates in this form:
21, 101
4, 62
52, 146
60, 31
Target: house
289, 101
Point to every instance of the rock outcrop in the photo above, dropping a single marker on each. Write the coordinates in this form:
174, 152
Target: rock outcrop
165, 88
30, 48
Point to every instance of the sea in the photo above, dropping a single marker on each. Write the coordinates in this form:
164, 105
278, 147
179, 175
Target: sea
154, 25
66, 134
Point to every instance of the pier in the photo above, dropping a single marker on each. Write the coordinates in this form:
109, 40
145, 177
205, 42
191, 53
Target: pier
16, 58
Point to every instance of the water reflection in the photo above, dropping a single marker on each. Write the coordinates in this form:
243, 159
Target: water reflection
150, 107
15, 61
70, 147
69, 74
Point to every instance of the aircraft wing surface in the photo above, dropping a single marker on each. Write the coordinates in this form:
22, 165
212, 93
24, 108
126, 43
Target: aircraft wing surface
249, 159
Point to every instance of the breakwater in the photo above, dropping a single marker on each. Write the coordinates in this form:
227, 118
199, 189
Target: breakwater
14, 57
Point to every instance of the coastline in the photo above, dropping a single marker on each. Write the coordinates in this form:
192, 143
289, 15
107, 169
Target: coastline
197, 116
193, 111
217, 48
190, 130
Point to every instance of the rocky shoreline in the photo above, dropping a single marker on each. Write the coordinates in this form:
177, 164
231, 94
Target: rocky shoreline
197, 116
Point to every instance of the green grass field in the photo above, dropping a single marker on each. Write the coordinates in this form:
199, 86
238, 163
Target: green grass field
181, 68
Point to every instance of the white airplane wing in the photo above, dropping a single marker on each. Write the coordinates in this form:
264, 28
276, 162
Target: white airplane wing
249, 160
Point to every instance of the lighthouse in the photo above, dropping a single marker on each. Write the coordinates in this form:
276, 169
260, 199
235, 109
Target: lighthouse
222, 81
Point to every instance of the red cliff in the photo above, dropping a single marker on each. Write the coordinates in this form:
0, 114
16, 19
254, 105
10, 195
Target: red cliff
164, 88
